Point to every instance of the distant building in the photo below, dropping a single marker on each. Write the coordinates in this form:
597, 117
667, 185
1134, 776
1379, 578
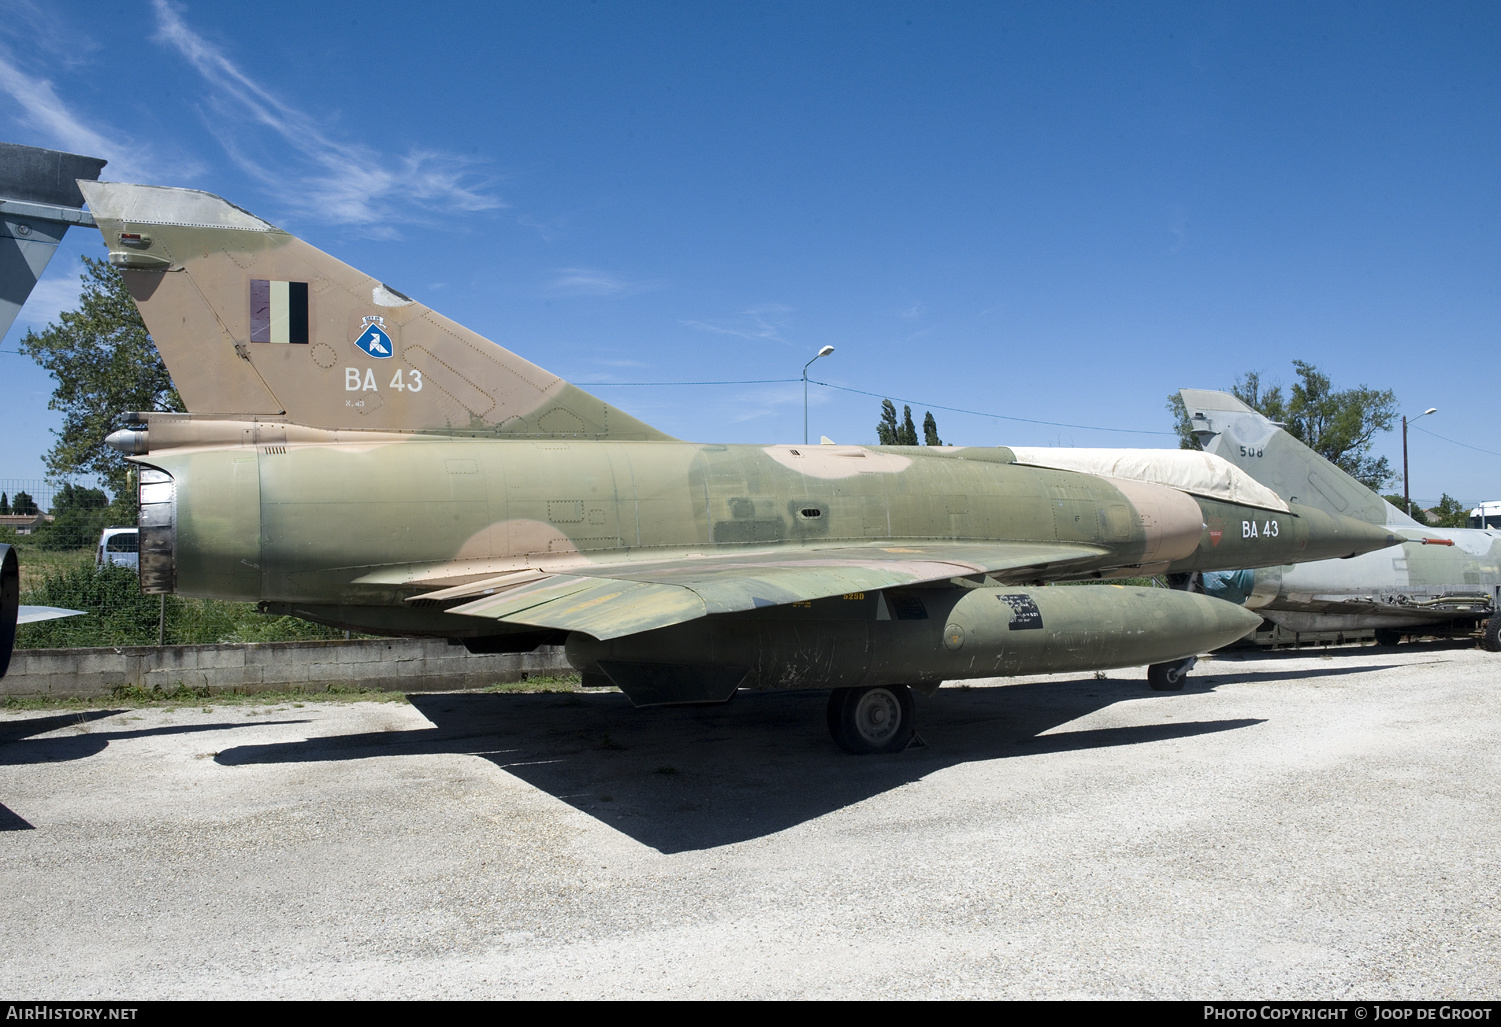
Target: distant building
24, 524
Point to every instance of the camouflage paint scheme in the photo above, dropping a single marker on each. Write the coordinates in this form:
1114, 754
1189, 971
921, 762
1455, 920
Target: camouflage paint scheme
1437, 577
457, 489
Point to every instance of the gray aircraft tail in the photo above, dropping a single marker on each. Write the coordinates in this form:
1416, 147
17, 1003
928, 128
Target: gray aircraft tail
39, 199
1229, 428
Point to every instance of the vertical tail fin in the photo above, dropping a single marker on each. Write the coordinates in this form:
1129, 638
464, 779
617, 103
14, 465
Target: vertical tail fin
1229, 428
251, 320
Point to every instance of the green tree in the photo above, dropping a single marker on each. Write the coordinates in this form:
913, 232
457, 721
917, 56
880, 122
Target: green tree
104, 363
1342, 426
930, 431
887, 430
4, 504
23, 504
75, 497
908, 434
1181, 424
891, 432
79, 514
1450, 513
1339, 426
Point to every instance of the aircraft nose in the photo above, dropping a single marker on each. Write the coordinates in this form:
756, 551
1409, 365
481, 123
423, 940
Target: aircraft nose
1328, 536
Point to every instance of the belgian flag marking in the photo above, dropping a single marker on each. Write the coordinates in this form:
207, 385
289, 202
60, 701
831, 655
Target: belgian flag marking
278, 311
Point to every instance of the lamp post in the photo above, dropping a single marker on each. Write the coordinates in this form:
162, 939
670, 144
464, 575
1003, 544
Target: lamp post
1406, 486
821, 353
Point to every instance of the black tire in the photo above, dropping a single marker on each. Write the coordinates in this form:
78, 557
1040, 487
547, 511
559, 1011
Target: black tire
872, 720
10, 604
1491, 640
1169, 677
1388, 636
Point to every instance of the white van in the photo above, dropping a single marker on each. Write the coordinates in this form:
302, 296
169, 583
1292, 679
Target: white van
119, 546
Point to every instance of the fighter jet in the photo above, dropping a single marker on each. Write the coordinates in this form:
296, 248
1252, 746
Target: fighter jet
1439, 580
354, 458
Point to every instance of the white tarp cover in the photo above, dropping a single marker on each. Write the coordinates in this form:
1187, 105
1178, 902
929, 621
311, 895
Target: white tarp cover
1199, 474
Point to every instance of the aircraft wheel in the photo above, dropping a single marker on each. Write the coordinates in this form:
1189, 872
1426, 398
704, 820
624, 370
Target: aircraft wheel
876, 719
1169, 677
10, 603
1492, 638
1387, 636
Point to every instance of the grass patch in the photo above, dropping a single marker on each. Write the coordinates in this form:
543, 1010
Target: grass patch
116, 613
38, 564
539, 683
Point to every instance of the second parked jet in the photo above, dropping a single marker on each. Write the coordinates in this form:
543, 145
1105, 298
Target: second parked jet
1439, 580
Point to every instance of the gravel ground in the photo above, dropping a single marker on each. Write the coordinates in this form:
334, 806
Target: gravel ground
1296, 826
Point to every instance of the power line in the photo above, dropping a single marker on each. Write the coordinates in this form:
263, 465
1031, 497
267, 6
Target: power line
983, 413
1466, 445
897, 399
755, 381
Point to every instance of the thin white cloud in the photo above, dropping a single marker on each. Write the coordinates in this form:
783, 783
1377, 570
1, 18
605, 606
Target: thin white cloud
550, 230
583, 281
772, 401
764, 322
37, 107
42, 109
343, 182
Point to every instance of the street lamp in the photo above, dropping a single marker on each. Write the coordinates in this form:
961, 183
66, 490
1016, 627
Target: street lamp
1406, 487
821, 353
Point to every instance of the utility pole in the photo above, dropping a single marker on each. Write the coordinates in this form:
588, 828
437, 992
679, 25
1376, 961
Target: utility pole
1406, 487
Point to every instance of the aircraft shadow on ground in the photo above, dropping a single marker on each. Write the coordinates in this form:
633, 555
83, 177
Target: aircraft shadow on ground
10, 820
690, 778
1340, 652
19, 744
1220, 677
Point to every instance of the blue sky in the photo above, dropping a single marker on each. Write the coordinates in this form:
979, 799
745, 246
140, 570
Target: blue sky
1053, 212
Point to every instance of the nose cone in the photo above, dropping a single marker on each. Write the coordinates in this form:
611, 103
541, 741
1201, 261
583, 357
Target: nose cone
1334, 536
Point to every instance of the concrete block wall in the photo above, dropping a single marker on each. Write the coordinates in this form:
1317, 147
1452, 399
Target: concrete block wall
395, 664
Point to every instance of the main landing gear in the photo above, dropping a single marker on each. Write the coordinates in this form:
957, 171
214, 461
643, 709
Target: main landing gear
1491, 640
875, 719
1169, 677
